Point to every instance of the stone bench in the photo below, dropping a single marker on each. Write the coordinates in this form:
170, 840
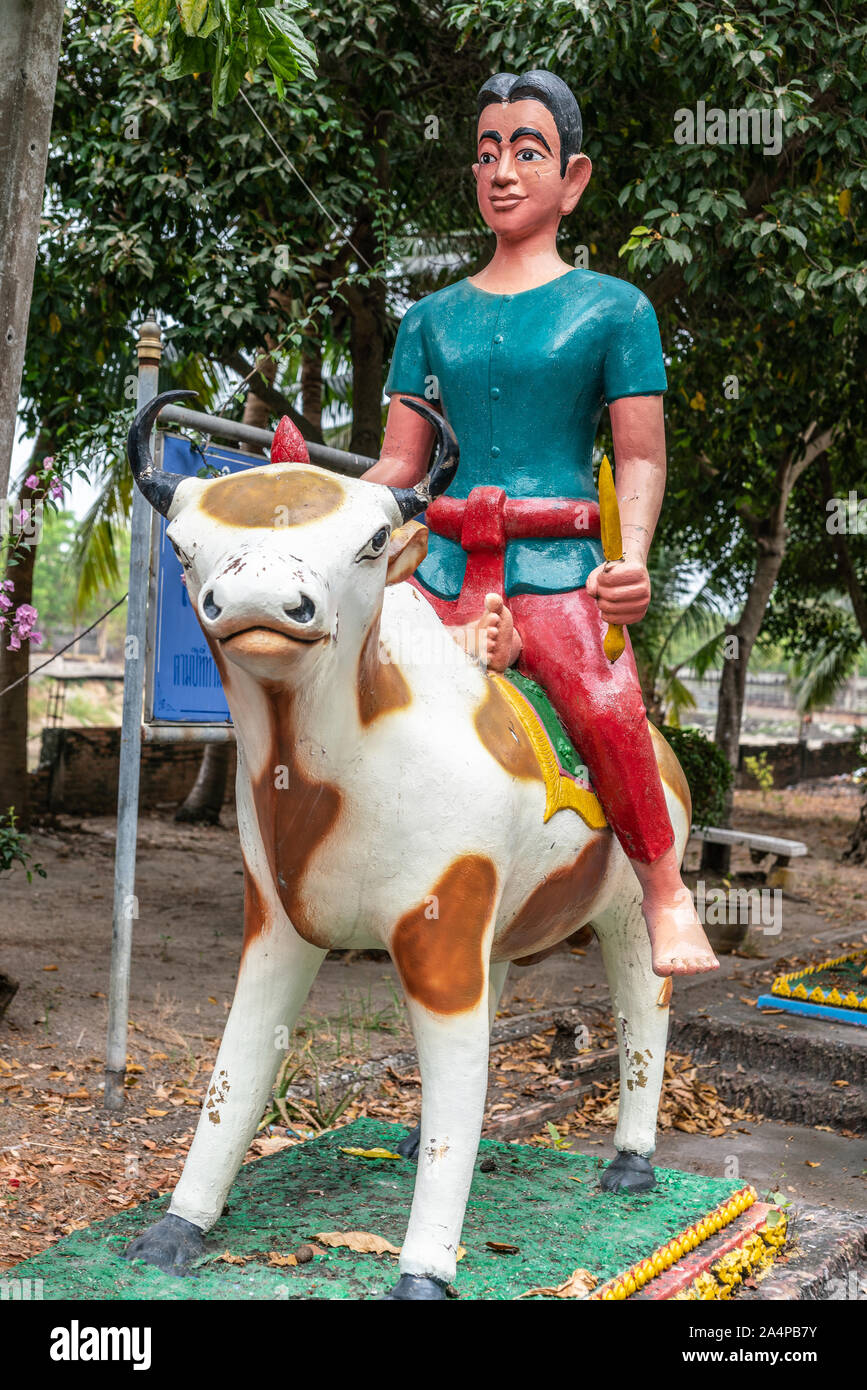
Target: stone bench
760, 846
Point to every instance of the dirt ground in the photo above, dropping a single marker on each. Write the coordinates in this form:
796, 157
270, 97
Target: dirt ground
64, 1162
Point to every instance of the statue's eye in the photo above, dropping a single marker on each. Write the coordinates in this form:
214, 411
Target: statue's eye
181, 554
375, 545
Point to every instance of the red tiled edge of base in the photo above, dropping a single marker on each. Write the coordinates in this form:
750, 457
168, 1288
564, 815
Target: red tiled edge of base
689, 1267
678, 1248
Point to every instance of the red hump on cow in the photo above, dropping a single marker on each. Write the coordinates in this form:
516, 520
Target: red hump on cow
289, 444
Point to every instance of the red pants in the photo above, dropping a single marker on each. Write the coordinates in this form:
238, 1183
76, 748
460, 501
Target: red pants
600, 706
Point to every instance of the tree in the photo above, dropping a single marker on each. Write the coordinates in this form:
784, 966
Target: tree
29, 48
226, 38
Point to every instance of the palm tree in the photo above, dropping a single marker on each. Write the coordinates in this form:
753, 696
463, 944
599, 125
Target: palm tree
684, 627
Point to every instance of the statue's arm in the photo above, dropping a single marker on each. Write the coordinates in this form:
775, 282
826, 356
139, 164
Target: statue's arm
406, 447
638, 431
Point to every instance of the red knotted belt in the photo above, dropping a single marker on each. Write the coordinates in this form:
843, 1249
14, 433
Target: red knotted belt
485, 521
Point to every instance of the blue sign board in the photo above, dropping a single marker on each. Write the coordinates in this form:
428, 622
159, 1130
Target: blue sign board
184, 685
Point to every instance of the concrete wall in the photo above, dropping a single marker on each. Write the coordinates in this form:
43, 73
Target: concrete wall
797, 762
79, 768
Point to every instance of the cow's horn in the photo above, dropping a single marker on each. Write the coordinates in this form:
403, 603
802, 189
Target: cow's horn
413, 500
157, 486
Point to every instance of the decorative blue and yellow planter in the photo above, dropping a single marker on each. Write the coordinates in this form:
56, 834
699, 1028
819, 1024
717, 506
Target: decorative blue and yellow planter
810, 991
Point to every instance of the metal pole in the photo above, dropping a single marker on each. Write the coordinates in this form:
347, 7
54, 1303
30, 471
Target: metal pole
338, 460
125, 903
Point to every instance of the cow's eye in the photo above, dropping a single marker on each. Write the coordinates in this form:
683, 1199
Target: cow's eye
181, 553
376, 545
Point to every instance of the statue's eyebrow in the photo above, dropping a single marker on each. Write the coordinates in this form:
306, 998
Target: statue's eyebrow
491, 135
529, 130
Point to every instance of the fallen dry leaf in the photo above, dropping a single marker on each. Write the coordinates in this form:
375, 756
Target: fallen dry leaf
370, 1153
51, 967
275, 1258
502, 1247
272, 1144
362, 1242
579, 1283
229, 1259
809, 1164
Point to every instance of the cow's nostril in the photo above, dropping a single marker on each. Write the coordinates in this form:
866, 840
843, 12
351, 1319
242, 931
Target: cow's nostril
209, 607
304, 611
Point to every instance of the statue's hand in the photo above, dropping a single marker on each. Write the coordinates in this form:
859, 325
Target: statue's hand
622, 590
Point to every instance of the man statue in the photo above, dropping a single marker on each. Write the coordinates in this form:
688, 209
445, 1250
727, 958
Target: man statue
521, 359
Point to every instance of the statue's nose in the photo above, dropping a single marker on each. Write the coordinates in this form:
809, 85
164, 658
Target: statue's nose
302, 612
210, 608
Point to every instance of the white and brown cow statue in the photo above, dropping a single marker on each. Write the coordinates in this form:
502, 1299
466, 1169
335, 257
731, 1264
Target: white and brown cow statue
386, 798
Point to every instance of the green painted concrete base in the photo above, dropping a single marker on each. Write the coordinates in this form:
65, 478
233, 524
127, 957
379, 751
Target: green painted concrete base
547, 1203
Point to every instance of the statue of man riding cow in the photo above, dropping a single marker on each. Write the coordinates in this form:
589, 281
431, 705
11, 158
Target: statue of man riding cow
387, 799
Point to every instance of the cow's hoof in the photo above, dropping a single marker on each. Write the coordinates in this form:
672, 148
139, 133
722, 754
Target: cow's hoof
172, 1245
417, 1286
408, 1147
628, 1173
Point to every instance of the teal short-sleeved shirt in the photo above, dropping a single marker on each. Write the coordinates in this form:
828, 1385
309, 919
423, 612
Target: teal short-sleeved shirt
522, 379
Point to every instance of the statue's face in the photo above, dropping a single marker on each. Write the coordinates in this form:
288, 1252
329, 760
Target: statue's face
518, 179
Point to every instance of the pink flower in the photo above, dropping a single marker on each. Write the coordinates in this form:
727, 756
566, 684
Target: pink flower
23, 517
56, 490
47, 463
7, 583
36, 638
5, 602
14, 642
31, 482
25, 618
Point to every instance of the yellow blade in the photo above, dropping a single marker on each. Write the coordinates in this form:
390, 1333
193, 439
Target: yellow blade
613, 643
609, 513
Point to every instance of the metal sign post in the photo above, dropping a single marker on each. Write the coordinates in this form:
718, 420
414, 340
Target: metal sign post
125, 908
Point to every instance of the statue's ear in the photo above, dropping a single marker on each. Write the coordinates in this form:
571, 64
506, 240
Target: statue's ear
406, 550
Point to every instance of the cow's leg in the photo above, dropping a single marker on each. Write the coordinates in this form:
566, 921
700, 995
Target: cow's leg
453, 1058
276, 973
408, 1147
640, 1003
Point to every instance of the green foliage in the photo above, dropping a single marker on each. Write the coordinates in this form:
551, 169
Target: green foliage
13, 848
758, 768
707, 771
684, 626
55, 597
227, 39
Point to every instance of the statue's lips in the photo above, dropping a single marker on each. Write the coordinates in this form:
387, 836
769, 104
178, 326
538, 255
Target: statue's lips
265, 641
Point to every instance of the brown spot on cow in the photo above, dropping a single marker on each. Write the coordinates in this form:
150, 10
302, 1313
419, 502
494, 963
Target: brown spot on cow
381, 687
279, 497
437, 945
296, 814
671, 771
552, 909
257, 917
505, 737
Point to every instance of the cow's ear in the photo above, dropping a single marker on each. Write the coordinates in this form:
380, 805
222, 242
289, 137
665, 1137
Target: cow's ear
406, 550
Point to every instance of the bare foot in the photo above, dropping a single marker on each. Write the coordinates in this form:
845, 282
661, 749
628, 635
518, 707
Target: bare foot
491, 639
677, 940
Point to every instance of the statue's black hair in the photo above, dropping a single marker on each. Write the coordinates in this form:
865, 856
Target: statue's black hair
552, 92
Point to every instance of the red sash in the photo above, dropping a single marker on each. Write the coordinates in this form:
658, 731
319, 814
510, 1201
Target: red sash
485, 521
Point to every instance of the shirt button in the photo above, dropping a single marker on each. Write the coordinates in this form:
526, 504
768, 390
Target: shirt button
495, 453
495, 393
498, 337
